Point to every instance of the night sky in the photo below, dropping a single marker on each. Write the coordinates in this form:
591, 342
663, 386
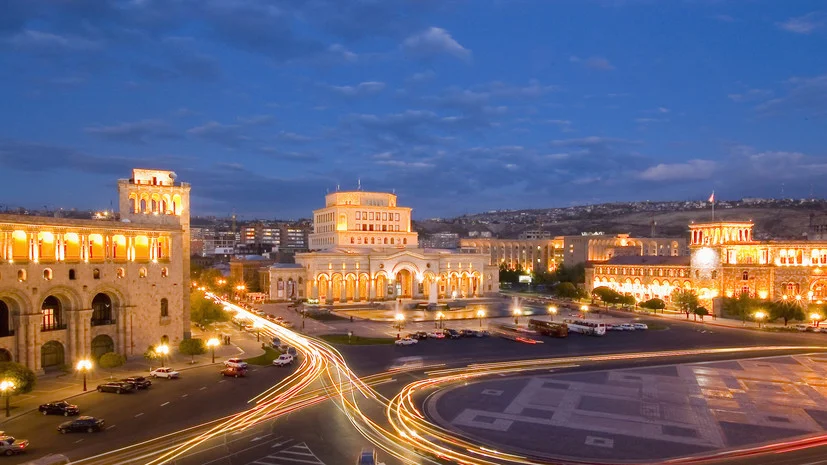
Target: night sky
460, 106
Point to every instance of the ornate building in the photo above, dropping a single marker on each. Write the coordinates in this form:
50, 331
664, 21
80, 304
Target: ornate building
724, 260
364, 250
73, 288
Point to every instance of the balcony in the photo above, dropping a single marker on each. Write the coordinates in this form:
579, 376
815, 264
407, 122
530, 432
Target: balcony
102, 322
52, 328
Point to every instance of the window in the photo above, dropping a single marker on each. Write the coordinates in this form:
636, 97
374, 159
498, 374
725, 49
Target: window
386, 240
384, 217
21, 275
715, 275
396, 227
391, 241
371, 228
72, 275
352, 241
358, 215
397, 217
371, 240
142, 273
96, 274
745, 275
370, 216
164, 272
47, 274
384, 227
121, 273
404, 240
164, 308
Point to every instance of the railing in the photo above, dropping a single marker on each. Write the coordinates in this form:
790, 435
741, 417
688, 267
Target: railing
102, 322
52, 328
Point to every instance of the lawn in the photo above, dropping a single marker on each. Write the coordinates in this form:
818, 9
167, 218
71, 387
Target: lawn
356, 340
264, 359
318, 316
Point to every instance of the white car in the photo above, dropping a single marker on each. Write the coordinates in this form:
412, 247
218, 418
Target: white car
235, 362
283, 360
436, 335
405, 341
801, 327
627, 327
640, 326
164, 372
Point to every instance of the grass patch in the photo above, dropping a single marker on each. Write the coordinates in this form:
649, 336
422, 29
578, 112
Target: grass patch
356, 340
325, 316
264, 359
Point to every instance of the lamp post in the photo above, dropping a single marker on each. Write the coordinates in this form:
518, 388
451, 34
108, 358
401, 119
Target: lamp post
5, 387
257, 327
552, 311
584, 309
759, 316
162, 350
83, 367
400, 321
816, 318
212, 343
439, 317
517, 312
480, 315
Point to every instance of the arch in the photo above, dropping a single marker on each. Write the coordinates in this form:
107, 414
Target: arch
5, 319
350, 287
52, 355
164, 339
96, 274
21, 275
338, 284
102, 344
101, 309
404, 283
133, 202
381, 285
166, 204
322, 280
51, 314
5, 356
47, 274
406, 265
177, 205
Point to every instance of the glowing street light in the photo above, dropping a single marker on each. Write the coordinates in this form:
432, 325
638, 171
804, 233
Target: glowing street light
759, 315
816, 318
584, 309
212, 343
400, 321
83, 366
257, 327
439, 318
480, 315
517, 312
163, 351
552, 310
6, 387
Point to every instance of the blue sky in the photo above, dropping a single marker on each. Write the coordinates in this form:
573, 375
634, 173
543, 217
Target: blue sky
460, 106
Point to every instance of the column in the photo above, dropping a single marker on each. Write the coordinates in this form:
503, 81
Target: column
32, 346
433, 291
71, 337
314, 289
330, 291
372, 284
343, 291
357, 295
121, 325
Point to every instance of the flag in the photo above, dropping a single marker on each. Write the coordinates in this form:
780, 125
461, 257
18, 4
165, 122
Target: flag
712, 197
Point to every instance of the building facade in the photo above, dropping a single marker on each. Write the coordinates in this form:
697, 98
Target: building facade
73, 288
724, 260
364, 250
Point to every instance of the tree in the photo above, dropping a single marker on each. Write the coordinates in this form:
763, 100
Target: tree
627, 300
701, 312
111, 360
573, 274
788, 310
151, 355
510, 276
607, 295
192, 347
743, 306
686, 300
653, 304
23, 378
567, 291
204, 311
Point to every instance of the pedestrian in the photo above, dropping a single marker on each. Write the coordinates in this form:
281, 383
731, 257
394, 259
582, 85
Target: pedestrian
351, 318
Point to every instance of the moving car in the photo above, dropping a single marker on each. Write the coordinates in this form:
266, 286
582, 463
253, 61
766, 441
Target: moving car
283, 360
234, 372
138, 382
640, 326
60, 407
164, 372
235, 362
405, 341
11, 446
116, 386
81, 424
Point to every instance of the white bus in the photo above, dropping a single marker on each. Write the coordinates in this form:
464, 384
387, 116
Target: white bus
589, 327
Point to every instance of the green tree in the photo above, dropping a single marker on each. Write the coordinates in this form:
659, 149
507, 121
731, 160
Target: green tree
653, 304
192, 347
204, 311
787, 310
743, 306
573, 274
700, 312
23, 378
510, 276
110, 361
151, 355
608, 295
567, 290
686, 300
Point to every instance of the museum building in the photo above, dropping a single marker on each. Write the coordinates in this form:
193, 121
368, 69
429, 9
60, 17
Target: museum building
78, 288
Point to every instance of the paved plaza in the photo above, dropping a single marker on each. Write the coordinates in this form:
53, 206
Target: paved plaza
643, 413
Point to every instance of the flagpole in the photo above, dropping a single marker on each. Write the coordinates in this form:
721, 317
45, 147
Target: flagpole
713, 205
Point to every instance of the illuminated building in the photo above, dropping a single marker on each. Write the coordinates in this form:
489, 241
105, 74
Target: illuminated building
363, 249
72, 288
724, 260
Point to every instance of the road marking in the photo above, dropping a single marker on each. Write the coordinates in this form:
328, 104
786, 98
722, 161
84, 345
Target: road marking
222, 380
259, 438
79, 440
110, 426
202, 388
165, 403
136, 416
184, 395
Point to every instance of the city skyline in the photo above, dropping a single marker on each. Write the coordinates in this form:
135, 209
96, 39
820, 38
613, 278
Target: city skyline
458, 107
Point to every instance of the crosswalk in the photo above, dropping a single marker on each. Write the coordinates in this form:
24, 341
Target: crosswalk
297, 454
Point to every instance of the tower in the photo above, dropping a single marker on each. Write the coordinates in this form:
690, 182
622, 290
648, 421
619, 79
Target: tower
154, 197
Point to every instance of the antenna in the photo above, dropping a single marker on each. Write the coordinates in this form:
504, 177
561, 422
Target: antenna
359, 184
337, 188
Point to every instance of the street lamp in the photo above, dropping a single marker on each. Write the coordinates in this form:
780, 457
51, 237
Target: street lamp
759, 315
212, 343
257, 327
439, 317
552, 311
84, 366
584, 309
400, 320
5, 387
163, 351
480, 315
517, 312
816, 318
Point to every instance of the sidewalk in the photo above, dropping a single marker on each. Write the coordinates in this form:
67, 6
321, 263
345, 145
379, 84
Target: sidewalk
62, 385
707, 320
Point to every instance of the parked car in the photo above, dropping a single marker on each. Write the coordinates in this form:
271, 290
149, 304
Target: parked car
801, 327
12, 446
234, 372
138, 382
405, 341
235, 362
81, 424
467, 332
437, 335
117, 387
420, 335
452, 333
481, 333
164, 372
640, 326
60, 407
292, 351
283, 360
627, 327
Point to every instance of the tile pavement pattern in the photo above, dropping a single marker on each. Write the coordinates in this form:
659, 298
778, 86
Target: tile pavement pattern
643, 413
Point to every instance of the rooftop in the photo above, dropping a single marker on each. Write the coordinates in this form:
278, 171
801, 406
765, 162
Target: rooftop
649, 260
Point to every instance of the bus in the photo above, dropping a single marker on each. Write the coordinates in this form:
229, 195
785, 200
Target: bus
583, 326
549, 328
514, 332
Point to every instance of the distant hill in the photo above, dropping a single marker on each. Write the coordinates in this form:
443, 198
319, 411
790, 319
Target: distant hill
774, 219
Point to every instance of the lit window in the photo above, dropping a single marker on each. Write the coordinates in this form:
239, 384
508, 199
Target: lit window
47, 274
164, 272
121, 273
142, 273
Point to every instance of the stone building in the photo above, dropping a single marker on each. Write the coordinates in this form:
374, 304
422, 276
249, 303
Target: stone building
72, 288
364, 250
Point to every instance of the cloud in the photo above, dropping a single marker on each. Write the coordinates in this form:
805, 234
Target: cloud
533, 89
256, 120
432, 42
805, 96
293, 137
421, 77
596, 63
48, 43
750, 95
228, 135
806, 24
360, 90
284, 155
562, 124
32, 157
691, 170
139, 132
405, 164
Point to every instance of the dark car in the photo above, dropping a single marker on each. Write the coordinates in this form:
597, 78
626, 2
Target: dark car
138, 382
292, 351
81, 424
452, 333
468, 333
235, 372
420, 335
59, 408
117, 387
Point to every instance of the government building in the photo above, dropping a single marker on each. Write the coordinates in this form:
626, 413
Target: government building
724, 261
363, 249
77, 288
